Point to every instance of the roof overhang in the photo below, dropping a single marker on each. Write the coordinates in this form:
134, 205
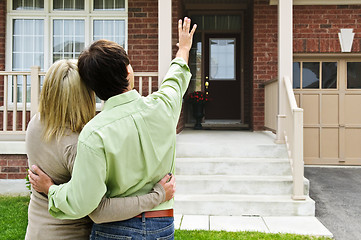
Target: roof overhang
320, 2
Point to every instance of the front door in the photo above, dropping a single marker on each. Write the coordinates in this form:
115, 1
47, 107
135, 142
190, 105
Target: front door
222, 76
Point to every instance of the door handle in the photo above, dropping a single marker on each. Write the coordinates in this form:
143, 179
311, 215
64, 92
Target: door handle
206, 84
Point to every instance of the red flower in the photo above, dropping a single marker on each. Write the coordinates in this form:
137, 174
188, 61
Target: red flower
197, 97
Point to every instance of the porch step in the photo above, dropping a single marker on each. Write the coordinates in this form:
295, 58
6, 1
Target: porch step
234, 166
228, 144
235, 173
238, 205
197, 150
230, 184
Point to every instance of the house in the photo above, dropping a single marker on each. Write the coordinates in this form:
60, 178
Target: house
246, 53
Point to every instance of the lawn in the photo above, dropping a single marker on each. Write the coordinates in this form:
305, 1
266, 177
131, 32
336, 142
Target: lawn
13, 221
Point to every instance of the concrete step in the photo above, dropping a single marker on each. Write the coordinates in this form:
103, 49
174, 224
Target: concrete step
230, 150
233, 166
238, 205
229, 144
252, 185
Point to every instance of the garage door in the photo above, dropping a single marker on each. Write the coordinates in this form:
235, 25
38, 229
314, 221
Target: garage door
329, 91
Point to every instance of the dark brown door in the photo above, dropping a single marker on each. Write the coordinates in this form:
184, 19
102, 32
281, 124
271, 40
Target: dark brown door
222, 73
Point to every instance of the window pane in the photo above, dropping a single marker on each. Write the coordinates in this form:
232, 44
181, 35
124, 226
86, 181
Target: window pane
222, 59
113, 30
209, 22
235, 23
28, 4
58, 4
28, 44
222, 22
311, 75
67, 43
109, 5
329, 75
354, 75
296, 75
68, 5
195, 63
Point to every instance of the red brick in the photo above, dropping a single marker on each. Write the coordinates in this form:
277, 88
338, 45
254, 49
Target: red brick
17, 163
3, 162
3, 176
16, 175
10, 169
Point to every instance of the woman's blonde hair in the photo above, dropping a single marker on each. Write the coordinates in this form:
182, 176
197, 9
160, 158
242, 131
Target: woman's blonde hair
66, 103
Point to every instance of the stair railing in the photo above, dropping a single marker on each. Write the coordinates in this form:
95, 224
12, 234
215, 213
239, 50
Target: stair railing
293, 132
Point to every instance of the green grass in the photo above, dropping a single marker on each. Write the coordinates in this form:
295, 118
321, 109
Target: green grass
216, 235
14, 211
13, 217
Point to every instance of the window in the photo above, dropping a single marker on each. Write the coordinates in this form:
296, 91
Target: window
354, 75
315, 75
41, 32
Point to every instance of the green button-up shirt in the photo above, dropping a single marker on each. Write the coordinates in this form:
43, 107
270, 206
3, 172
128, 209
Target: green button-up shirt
125, 149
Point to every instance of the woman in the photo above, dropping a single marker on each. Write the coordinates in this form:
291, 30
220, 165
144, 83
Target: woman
66, 105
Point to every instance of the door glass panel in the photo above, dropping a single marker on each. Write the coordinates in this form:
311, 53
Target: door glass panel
195, 63
222, 59
311, 75
296, 75
329, 75
354, 75
217, 22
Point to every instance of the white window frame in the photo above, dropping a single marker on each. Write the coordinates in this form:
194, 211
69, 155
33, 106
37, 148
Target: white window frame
48, 15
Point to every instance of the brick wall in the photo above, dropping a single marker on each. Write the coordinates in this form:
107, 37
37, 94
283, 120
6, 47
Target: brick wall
264, 56
315, 30
13, 166
2, 47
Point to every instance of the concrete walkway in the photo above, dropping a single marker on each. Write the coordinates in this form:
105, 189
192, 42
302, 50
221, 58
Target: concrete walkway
296, 225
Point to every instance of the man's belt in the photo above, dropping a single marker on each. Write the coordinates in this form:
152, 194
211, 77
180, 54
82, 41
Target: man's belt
156, 214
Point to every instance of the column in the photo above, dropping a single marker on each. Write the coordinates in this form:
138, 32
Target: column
285, 59
164, 37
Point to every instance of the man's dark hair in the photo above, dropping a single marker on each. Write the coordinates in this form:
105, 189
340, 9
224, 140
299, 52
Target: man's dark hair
103, 68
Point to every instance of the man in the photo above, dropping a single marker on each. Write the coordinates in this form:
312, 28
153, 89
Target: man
126, 148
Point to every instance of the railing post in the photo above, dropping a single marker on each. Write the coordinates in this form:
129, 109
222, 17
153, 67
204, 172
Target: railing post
285, 55
298, 164
35, 90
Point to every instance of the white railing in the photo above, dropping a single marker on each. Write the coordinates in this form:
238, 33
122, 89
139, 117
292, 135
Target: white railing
293, 132
291, 123
271, 104
15, 117
13, 109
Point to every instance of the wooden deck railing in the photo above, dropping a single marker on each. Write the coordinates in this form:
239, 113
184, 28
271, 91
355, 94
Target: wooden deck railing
16, 111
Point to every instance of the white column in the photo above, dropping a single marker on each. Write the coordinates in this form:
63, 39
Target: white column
285, 58
164, 37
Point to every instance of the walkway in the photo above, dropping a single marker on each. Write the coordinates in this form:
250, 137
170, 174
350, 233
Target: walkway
296, 225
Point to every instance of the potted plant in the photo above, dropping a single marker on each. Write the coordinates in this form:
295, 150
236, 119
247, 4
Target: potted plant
198, 99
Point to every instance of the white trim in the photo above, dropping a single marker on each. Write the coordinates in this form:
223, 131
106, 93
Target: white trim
321, 2
13, 147
164, 37
48, 15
